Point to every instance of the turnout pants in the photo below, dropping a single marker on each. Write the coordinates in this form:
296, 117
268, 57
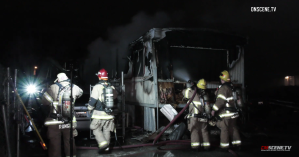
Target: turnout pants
229, 131
54, 135
101, 129
199, 133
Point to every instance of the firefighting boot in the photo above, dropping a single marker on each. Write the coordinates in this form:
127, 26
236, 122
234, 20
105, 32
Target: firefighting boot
104, 151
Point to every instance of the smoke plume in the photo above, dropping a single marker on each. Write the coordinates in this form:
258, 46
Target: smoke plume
109, 53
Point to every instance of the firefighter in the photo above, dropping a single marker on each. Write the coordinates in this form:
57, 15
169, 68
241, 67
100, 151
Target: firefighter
58, 121
197, 117
226, 113
102, 122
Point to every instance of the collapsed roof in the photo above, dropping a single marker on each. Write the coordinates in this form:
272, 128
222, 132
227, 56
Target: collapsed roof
192, 37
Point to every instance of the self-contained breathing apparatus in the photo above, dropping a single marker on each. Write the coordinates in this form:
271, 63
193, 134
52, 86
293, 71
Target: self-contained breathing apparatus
238, 103
204, 100
107, 97
61, 109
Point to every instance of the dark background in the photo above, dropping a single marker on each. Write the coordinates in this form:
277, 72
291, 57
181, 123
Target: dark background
94, 32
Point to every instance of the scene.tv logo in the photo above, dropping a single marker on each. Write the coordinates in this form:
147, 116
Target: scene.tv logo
276, 148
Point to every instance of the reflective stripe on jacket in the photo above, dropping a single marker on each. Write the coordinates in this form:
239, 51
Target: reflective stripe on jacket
196, 102
96, 97
224, 98
101, 115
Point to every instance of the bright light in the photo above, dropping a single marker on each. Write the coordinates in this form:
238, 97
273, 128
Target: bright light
35, 67
31, 89
287, 77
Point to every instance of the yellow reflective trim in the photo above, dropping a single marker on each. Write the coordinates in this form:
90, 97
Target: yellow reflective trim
227, 114
197, 102
236, 142
89, 107
215, 107
102, 117
224, 144
60, 100
206, 144
48, 97
187, 92
224, 98
221, 96
230, 98
74, 119
195, 144
103, 143
195, 111
197, 105
227, 104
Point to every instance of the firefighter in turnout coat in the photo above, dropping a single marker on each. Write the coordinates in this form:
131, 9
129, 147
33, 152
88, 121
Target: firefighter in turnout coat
102, 123
197, 117
54, 96
226, 113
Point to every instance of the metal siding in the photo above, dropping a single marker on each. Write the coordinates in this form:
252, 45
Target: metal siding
149, 119
139, 91
212, 85
155, 78
237, 69
149, 94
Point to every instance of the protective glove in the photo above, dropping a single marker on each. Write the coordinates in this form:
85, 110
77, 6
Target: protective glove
75, 132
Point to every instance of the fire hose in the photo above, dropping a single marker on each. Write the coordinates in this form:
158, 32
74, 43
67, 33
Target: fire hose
172, 142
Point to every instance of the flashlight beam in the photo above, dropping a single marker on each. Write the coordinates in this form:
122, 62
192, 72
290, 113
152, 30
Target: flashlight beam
31, 89
41, 139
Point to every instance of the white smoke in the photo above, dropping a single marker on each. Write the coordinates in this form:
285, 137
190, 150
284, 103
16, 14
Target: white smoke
103, 52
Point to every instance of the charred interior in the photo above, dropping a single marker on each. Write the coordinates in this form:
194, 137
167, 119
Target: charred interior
163, 60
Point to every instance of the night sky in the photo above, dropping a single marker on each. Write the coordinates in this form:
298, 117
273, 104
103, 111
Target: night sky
94, 32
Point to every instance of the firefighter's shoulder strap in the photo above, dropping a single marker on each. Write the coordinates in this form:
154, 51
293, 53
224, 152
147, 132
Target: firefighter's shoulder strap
193, 102
217, 91
231, 86
103, 83
195, 106
101, 97
228, 84
62, 88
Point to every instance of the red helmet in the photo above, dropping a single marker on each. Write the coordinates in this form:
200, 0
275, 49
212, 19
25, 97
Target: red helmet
102, 74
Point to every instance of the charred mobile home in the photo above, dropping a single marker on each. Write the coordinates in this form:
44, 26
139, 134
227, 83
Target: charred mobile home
164, 59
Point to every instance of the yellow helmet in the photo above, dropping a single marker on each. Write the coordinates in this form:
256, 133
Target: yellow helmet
224, 76
201, 84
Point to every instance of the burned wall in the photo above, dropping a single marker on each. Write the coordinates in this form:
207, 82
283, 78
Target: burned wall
164, 62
